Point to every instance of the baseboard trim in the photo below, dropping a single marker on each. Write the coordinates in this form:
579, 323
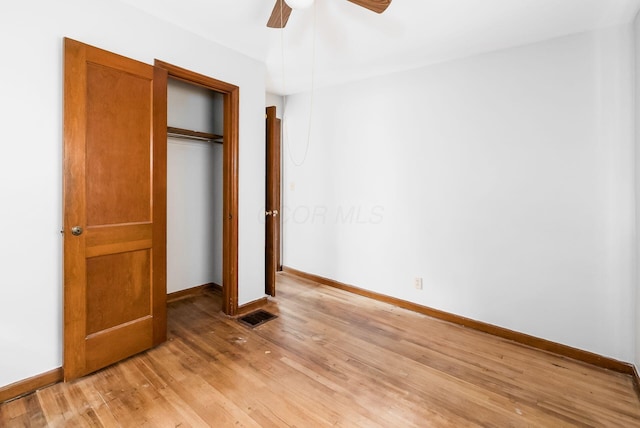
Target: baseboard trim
214, 288
29, 385
522, 338
191, 292
252, 306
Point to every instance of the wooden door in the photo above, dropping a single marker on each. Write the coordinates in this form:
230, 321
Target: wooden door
272, 237
114, 208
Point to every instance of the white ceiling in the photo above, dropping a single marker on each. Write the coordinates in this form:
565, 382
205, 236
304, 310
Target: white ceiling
353, 43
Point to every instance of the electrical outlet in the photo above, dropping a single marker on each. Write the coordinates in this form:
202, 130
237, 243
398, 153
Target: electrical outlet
417, 282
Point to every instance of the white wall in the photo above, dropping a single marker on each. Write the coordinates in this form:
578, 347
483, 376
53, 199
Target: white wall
504, 180
636, 27
31, 157
194, 214
194, 188
274, 100
194, 107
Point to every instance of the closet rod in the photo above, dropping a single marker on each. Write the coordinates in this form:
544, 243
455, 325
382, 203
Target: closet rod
193, 135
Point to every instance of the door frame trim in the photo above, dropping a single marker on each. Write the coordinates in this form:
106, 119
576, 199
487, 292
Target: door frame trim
231, 96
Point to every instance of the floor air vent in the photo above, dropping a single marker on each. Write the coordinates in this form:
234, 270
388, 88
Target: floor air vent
256, 318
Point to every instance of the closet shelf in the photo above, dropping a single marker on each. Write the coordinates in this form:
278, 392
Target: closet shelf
193, 135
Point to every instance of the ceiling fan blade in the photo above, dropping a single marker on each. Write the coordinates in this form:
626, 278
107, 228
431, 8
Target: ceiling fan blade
377, 6
280, 15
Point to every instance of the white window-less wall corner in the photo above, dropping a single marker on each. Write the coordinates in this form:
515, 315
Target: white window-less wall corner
504, 180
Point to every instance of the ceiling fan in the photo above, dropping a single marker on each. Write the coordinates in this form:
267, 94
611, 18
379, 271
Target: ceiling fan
282, 10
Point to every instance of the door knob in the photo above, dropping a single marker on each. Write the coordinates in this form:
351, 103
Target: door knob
76, 231
272, 213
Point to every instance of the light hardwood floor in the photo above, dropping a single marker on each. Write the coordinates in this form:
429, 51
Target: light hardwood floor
331, 358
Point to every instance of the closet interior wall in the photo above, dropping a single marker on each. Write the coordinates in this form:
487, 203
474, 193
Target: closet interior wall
194, 188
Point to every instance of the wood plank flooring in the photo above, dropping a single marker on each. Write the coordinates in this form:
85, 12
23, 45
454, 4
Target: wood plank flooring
331, 358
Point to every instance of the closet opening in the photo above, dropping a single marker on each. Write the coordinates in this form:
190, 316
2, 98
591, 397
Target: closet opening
202, 184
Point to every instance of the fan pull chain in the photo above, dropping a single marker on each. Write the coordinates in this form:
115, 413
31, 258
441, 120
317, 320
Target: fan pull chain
311, 97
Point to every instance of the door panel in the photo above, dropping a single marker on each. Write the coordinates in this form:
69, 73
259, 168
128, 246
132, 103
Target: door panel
115, 190
118, 289
272, 232
115, 137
